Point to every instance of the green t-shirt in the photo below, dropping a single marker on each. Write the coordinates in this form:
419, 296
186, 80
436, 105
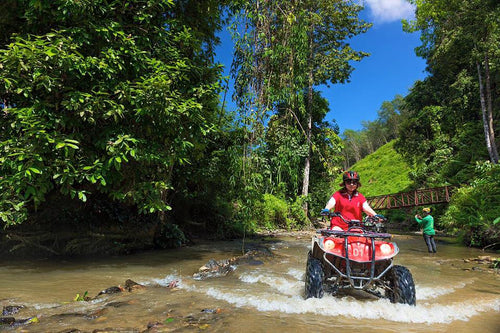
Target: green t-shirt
427, 223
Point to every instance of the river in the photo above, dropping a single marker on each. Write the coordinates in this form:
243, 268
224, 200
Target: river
268, 297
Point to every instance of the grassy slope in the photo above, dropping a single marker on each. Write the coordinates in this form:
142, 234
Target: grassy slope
383, 172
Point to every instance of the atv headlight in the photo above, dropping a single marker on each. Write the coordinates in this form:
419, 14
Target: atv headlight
385, 249
329, 245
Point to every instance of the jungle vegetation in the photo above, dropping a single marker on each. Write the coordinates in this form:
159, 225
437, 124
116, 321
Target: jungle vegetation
115, 135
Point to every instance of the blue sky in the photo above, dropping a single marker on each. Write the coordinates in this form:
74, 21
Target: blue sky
391, 69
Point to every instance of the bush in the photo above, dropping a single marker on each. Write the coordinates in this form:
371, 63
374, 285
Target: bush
473, 210
271, 212
297, 214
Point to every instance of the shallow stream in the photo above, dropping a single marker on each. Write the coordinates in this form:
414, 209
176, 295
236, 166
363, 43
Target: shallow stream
452, 296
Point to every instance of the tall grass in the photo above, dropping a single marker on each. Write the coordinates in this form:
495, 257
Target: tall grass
382, 172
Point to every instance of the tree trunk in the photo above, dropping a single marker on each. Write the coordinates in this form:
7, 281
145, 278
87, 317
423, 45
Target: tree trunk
307, 166
491, 149
489, 109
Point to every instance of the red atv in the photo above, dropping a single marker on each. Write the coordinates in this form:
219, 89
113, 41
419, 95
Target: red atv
360, 258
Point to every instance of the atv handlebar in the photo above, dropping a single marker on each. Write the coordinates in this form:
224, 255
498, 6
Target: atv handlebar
376, 221
374, 218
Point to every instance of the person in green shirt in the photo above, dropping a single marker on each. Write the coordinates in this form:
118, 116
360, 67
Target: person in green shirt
427, 224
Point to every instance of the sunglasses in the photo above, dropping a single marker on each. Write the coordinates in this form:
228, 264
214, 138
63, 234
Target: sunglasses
351, 182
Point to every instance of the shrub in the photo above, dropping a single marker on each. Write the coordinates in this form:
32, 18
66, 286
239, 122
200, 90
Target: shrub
271, 212
473, 210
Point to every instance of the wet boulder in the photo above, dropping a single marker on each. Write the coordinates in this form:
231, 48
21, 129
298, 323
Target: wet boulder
10, 310
218, 268
13, 322
133, 286
5, 321
214, 268
111, 290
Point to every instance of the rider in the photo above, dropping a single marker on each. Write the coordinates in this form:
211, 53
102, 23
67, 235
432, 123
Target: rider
348, 201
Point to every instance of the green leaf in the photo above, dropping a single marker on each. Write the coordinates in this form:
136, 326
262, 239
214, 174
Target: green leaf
29, 191
35, 170
82, 196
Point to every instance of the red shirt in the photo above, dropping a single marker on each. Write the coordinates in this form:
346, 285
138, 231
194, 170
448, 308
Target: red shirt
351, 208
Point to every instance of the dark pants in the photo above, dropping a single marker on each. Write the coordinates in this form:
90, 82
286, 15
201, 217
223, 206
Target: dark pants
431, 245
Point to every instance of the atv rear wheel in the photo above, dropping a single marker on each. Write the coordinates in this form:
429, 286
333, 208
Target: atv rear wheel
402, 287
314, 277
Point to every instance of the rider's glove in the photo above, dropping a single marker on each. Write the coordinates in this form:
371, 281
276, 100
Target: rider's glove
325, 211
380, 216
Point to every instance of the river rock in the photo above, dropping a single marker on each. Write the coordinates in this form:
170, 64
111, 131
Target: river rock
133, 286
13, 322
218, 268
214, 268
11, 309
111, 290
7, 320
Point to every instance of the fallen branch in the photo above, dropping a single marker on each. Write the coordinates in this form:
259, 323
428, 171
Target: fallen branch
25, 242
490, 245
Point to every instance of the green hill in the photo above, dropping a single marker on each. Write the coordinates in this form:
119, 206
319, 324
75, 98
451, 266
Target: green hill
383, 172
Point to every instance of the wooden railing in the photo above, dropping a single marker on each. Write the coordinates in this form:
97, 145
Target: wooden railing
412, 198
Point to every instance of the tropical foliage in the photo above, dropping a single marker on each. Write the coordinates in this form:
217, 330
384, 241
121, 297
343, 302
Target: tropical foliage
111, 119
446, 127
450, 119
474, 208
102, 99
283, 49
111, 109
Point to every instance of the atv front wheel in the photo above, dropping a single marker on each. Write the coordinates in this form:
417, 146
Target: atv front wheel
402, 287
314, 277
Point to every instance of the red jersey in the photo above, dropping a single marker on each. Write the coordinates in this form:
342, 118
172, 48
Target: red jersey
351, 208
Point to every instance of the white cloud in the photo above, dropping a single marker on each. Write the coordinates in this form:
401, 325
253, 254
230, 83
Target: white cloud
390, 10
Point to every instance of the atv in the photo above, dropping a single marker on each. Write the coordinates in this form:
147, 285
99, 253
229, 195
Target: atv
359, 258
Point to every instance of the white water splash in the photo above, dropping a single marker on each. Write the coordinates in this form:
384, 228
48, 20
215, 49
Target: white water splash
425, 293
298, 274
285, 294
279, 283
380, 309
166, 281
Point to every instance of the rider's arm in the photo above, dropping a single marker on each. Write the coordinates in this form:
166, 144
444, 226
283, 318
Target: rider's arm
330, 204
368, 210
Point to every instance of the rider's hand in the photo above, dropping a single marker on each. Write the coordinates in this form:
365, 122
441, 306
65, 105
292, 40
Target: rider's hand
380, 216
325, 211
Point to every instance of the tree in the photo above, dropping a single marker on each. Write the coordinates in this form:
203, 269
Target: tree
470, 30
284, 49
104, 97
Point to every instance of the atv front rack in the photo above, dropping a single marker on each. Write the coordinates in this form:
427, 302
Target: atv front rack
356, 282
341, 233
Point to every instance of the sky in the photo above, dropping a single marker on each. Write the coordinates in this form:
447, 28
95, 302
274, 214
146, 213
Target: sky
391, 69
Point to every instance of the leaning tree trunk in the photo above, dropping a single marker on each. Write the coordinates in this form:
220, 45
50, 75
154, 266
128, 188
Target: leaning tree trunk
307, 166
492, 151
